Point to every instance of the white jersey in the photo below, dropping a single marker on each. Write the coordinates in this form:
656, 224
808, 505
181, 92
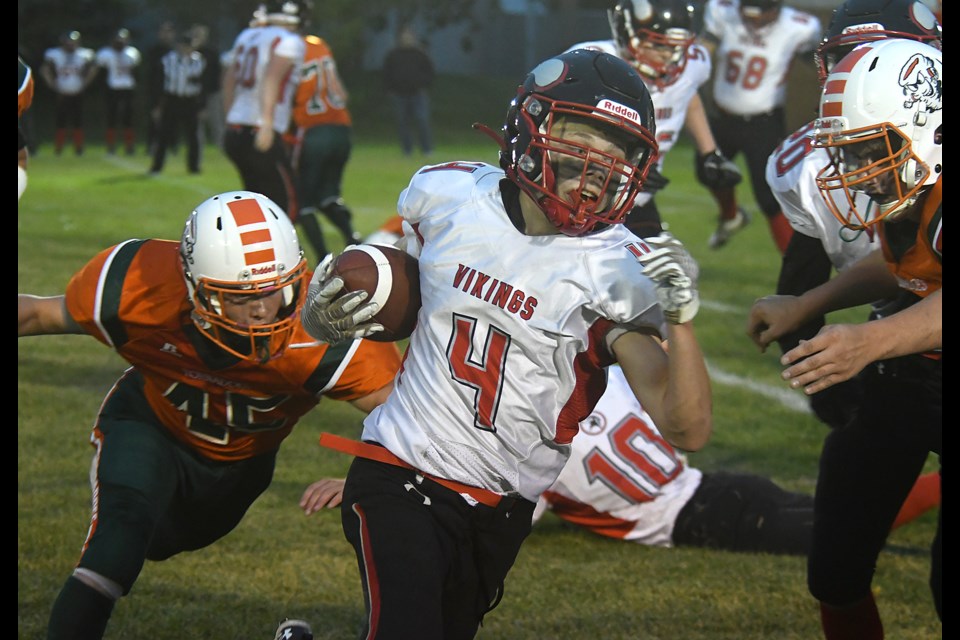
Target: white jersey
623, 480
752, 65
791, 173
671, 103
250, 56
120, 66
509, 351
69, 68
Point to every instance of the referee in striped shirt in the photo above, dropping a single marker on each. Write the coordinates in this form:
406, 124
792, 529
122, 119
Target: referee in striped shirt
180, 102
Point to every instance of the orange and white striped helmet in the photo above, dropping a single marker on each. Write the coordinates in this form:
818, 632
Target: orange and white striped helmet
238, 247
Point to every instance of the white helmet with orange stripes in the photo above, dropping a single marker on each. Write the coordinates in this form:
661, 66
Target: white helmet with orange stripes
881, 121
245, 273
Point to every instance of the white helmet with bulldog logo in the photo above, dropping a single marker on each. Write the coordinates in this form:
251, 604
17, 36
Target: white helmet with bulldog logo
881, 120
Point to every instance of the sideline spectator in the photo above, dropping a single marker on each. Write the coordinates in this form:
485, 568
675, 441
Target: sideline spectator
166, 39
120, 59
407, 75
69, 69
181, 103
212, 126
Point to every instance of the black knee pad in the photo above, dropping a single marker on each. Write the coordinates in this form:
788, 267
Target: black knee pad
117, 549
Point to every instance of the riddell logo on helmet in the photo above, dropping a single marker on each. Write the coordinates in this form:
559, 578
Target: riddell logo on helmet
619, 109
862, 28
259, 271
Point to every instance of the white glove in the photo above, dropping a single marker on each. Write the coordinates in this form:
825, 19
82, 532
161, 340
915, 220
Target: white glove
675, 272
332, 320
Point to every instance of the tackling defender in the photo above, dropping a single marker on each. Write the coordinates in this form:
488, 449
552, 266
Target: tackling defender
221, 371
881, 122
821, 243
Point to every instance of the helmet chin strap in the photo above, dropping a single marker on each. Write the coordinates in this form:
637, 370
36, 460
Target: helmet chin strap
893, 211
199, 320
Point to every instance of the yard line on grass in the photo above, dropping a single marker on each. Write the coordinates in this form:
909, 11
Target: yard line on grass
137, 167
721, 307
793, 400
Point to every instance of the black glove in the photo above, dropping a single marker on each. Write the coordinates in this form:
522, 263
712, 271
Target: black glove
655, 180
716, 172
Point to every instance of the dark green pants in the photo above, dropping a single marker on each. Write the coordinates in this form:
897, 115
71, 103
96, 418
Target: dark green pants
155, 497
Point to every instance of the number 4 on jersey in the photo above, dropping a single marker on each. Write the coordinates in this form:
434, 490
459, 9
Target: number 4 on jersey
485, 376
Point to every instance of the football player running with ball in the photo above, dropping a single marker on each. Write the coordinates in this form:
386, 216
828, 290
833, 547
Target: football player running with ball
531, 287
221, 371
658, 38
881, 122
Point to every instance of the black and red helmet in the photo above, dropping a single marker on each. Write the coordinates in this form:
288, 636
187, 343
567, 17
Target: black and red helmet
592, 89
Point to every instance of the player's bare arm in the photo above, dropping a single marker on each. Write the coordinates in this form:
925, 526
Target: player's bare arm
774, 316
277, 70
228, 86
38, 315
327, 493
373, 400
674, 388
698, 127
840, 351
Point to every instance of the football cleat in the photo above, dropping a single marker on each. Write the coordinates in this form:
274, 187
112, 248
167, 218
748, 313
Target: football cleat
726, 228
293, 630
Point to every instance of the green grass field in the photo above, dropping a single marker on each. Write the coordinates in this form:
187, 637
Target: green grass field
566, 584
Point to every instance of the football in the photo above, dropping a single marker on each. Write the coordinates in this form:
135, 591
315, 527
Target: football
391, 278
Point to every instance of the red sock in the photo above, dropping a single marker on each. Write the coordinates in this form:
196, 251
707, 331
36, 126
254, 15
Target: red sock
860, 621
78, 140
781, 231
58, 139
111, 139
924, 496
128, 138
727, 200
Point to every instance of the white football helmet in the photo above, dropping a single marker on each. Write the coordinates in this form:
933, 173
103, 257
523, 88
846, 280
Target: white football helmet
881, 121
242, 243
284, 13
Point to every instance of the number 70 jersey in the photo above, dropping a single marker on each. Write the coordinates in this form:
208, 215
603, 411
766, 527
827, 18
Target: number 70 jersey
509, 350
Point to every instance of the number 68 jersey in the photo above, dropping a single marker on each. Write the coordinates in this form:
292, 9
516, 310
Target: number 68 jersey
509, 352
751, 65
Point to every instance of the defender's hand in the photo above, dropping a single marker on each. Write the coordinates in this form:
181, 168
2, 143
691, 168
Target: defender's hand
344, 318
